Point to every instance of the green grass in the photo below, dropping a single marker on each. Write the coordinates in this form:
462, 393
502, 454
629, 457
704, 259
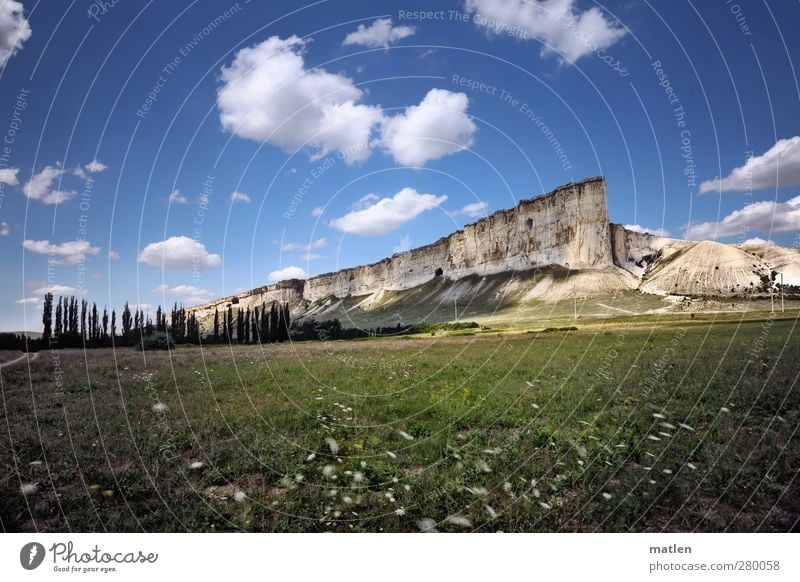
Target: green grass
569, 452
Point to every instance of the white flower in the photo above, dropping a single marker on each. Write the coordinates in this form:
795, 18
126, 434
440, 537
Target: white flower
160, 407
653, 438
327, 470
686, 426
239, 496
607, 496
391, 454
490, 510
29, 488
657, 415
405, 435
725, 409
459, 520
427, 524
334, 446
311, 457
400, 511
692, 466
358, 477
196, 465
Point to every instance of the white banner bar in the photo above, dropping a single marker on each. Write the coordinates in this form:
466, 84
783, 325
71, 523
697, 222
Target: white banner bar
400, 557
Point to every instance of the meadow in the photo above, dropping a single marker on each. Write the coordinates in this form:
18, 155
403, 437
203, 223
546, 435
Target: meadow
669, 425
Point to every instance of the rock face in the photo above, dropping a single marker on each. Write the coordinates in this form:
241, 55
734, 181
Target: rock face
567, 227
565, 231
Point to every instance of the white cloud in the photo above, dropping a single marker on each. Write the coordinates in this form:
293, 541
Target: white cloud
68, 253
5, 230
437, 127
388, 213
30, 300
317, 212
474, 210
287, 273
312, 256
9, 177
59, 290
175, 197
95, 166
14, 29
557, 23
268, 95
364, 202
758, 241
188, 294
40, 187
113, 255
770, 217
380, 33
320, 243
179, 253
239, 197
645, 230
777, 167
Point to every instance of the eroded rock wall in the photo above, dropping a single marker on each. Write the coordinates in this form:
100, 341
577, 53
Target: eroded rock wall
567, 227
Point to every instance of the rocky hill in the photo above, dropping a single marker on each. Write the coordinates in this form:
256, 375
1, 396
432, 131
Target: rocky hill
546, 249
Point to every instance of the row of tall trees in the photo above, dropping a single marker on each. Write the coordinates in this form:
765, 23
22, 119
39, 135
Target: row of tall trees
69, 322
256, 326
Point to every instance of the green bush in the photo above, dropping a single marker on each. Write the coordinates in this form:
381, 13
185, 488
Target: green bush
156, 341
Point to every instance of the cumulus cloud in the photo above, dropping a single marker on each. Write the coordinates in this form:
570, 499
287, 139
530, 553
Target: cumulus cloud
320, 243
560, 27
645, 230
188, 294
179, 253
474, 210
387, 214
777, 167
287, 273
768, 216
175, 197
68, 253
59, 290
239, 197
437, 127
268, 95
14, 29
380, 33
30, 300
317, 212
756, 240
9, 177
5, 230
40, 187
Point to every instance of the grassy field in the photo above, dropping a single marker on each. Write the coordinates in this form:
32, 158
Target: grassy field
629, 425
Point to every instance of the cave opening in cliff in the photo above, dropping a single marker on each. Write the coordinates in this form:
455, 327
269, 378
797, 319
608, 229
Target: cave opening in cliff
529, 224
438, 272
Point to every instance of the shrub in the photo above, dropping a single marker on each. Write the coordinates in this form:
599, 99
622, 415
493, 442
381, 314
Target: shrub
156, 341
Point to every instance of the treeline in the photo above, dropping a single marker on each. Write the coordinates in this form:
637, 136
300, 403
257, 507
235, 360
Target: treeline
72, 323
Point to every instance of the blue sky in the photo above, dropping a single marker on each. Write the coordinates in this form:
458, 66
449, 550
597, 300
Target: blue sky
349, 131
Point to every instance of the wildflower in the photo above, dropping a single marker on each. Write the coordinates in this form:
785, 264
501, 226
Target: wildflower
667, 471
333, 445
545, 505
507, 487
391, 454
239, 496
405, 435
535, 405
725, 409
653, 438
358, 477
160, 407
400, 512
196, 465
658, 415
29, 488
427, 525
490, 510
607, 496
327, 470
692, 466
459, 520
484, 467
536, 493
686, 426
311, 457
108, 493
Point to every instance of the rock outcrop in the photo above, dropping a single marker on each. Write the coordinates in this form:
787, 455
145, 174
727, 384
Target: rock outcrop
562, 242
